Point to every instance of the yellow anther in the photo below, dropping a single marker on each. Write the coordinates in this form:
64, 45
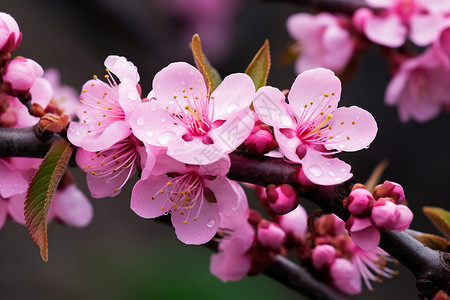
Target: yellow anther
321, 124
98, 102
104, 116
84, 90
161, 191
153, 197
207, 95
95, 76
331, 137
89, 166
190, 87
185, 96
353, 123
342, 123
169, 183
326, 95
102, 163
181, 212
92, 84
306, 105
329, 106
84, 121
185, 222
99, 123
93, 173
348, 138
195, 219
162, 208
84, 168
311, 103
184, 90
332, 94
106, 76
321, 113
174, 97
212, 98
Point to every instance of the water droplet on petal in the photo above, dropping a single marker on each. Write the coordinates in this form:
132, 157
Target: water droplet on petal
328, 163
211, 222
341, 146
232, 107
132, 95
163, 120
343, 170
140, 121
286, 121
331, 173
315, 170
153, 106
149, 133
164, 138
337, 179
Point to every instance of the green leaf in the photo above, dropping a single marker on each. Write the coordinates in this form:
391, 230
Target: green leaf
259, 68
211, 76
440, 219
41, 190
434, 242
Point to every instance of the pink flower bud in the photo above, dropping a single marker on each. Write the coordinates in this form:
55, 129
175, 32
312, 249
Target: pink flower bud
359, 201
385, 214
323, 255
10, 35
270, 235
21, 73
295, 222
363, 233
260, 141
346, 276
390, 189
405, 219
360, 17
282, 198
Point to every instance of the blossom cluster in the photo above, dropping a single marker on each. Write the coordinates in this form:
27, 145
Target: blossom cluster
24, 82
420, 79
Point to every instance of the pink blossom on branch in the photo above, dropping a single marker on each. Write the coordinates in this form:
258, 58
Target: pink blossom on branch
198, 197
10, 35
311, 128
196, 126
322, 41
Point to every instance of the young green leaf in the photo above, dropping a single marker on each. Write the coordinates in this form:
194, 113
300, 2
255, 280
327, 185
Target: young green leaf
440, 218
259, 68
41, 190
434, 242
211, 76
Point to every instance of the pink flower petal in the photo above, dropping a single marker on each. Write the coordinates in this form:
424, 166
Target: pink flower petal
220, 167
387, 31
203, 229
72, 207
346, 276
313, 86
3, 212
288, 146
405, 219
325, 171
338, 45
424, 29
228, 200
122, 68
367, 239
379, 3
141, 197
173, 79
229, 267
353, 129
41, 92
12, 181
16, 208
294, 221
129, 98
271, 107
234, 93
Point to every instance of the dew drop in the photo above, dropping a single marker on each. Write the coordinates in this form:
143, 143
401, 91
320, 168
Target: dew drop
163, 120
315, 170
140, 121
343, 170
341, 146
328, 163
164, 138
232, 107
331, 173
337, 179
132, 96
149, 133
211, 222
286, 121
153, 106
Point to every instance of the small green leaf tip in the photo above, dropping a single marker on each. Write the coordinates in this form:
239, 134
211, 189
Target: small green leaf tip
210, 74
259, 68
440, 219
41, 190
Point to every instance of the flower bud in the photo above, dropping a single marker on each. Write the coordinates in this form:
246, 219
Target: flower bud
53, 123
282, 198
359, 201
390, 189
323, 255
271, 235
21, 73
363, 233
294, 222
360, 17
346, 276
385, 214
10, 36
260, 141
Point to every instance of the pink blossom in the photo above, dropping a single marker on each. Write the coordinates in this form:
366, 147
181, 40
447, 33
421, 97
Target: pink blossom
311, 128
323, 255
196, 126
260, 141
391, 190
12, 182
359, 201
418, 19
282, 198
108, 170
420, 87
106, 107
363, 232
322, 41
10, 35
197, 197
21, 73
345, 276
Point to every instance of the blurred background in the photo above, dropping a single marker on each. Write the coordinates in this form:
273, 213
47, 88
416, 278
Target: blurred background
120, 255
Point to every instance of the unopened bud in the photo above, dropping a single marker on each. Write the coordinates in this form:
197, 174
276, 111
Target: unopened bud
260, 141
391, 190
323, 255
37, 110
385, 214
53, 123
271, 235
21, 73
359, 201
282, 198
405, 218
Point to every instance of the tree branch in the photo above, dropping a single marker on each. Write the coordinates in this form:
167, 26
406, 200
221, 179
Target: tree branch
431, 267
